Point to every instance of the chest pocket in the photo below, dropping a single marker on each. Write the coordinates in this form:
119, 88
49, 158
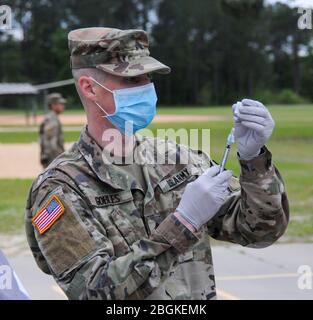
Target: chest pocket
172, 187
120, 219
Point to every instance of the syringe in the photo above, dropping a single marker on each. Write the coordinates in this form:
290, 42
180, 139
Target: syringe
230, 141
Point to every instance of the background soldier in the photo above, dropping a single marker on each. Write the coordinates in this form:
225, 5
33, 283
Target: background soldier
141, 231
51, 134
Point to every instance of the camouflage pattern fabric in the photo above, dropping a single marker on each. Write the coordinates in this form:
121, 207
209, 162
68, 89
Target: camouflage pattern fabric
116, 242
120, 52
51, 138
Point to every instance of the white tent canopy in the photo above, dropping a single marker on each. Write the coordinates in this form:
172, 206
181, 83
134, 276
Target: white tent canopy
17, 88
33, 91
56, 84
27, 88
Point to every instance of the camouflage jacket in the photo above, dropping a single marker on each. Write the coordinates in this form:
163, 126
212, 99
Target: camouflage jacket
115, 242
51, 138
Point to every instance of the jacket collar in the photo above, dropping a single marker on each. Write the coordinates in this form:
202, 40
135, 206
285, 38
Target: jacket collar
148, 149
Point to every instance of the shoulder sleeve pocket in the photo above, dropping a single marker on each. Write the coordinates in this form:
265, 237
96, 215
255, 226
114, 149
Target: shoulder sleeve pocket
67, 241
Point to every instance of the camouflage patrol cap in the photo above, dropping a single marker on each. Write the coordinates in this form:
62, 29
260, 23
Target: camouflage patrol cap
120, 52
55, 98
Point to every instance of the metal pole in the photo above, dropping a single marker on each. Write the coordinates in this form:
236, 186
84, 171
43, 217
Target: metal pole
27, 115
34, 110
45, 93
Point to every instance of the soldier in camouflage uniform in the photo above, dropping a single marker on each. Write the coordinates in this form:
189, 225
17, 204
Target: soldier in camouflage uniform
121, 231
50, 132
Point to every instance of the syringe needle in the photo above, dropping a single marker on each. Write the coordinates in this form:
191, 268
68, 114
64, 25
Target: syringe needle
230, 141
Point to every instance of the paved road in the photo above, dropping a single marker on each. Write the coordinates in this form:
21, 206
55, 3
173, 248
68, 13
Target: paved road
270, 273
241, 273
38, 285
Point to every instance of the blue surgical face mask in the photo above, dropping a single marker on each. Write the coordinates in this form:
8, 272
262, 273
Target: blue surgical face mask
135, 106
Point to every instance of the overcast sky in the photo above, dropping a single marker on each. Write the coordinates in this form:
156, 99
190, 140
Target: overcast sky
295, 3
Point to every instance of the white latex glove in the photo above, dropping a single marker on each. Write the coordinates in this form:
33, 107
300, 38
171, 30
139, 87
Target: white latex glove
253, 127
203, 197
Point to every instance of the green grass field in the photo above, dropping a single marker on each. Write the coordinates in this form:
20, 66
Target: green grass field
13, 195
291, 145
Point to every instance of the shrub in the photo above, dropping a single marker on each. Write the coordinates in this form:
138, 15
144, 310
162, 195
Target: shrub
285, 96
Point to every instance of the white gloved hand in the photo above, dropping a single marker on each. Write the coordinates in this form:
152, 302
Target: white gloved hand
253, 127
203, 197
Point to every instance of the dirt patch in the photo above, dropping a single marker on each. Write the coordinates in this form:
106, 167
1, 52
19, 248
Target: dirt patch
79, 119
20, 160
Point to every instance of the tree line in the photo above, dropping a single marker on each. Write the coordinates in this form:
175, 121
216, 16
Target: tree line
219, 50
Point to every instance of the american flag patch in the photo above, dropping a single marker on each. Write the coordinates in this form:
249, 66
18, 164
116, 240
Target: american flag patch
47, 216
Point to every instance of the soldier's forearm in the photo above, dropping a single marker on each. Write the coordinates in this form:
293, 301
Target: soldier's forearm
138, 273
184, 221
264, 203
174, 232
132, 276
257, 215
261, 185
